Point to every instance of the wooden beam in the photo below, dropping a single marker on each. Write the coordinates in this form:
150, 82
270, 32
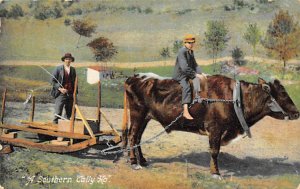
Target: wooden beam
88, 119
86, 124
109, 123
49, 147
40, 125
51, 133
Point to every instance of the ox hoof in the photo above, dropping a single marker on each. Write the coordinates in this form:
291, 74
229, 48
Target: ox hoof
216, 176
144, 164
136, 167
6, 149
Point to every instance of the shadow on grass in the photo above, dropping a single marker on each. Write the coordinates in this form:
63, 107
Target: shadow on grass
94, 152
248, 166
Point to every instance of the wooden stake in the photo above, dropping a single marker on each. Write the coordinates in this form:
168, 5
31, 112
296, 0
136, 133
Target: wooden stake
125, 121
99, 104
73, 108
31, 118
3, 105
3, 111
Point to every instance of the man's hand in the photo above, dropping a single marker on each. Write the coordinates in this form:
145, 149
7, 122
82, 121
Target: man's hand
63, 90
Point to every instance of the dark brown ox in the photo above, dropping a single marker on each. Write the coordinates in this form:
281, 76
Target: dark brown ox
153, 98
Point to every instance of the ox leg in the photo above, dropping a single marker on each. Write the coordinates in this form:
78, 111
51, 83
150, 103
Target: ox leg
214, 144
137, 120
142, 160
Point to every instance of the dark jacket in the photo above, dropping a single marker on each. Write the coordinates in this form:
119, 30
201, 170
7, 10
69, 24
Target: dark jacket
186, 65
58, 73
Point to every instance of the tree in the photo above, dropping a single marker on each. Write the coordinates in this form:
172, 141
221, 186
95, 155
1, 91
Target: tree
15, 11
165, 52
238, 56
103, 49
215, 38
252, 36
282, 37
83, 28
177, 45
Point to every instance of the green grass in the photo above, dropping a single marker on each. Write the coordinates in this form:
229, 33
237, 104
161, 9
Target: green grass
138, 36
200, 180
38, 163
112, 90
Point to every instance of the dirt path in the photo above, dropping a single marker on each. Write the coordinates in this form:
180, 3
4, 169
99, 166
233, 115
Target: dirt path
174, 157
135, 64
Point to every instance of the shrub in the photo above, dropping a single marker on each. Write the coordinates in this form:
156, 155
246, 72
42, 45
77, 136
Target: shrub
76, 11
15, 11
44, 11
148, 10
67, 4
3, 13
67, 22
227, 8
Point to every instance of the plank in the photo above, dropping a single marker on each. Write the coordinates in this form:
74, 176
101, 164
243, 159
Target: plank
51, 133
49, 147
85, 122
40, 125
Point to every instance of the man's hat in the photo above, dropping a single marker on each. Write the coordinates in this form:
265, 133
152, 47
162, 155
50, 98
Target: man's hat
67, 55
189, 38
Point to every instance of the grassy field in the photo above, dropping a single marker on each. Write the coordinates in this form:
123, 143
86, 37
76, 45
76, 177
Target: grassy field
27, 78
138, 35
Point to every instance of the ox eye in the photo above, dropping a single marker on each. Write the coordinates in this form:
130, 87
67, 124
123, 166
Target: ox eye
283, 93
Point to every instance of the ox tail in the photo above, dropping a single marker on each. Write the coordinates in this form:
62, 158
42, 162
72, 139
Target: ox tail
125, 121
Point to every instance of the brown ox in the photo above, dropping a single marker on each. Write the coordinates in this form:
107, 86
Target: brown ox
160, 99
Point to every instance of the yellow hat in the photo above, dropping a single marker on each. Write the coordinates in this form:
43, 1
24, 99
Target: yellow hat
189, 38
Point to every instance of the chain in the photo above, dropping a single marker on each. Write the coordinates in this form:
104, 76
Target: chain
197, 99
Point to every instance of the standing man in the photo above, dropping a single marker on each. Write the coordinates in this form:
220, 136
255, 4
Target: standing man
63, 82
187, 68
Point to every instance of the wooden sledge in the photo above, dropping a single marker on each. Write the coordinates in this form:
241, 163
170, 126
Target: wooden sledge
67, 139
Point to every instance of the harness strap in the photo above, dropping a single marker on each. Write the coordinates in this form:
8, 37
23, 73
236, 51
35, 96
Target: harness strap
238, 107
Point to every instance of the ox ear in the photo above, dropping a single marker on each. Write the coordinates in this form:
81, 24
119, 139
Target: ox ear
276, 82
261, 81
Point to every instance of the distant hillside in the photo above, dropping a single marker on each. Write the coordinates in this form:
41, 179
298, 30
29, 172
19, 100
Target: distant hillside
139, 29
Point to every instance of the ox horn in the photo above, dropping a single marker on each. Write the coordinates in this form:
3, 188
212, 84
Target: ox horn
266, 88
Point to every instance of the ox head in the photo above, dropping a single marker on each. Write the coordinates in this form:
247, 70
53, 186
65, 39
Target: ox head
279, 104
